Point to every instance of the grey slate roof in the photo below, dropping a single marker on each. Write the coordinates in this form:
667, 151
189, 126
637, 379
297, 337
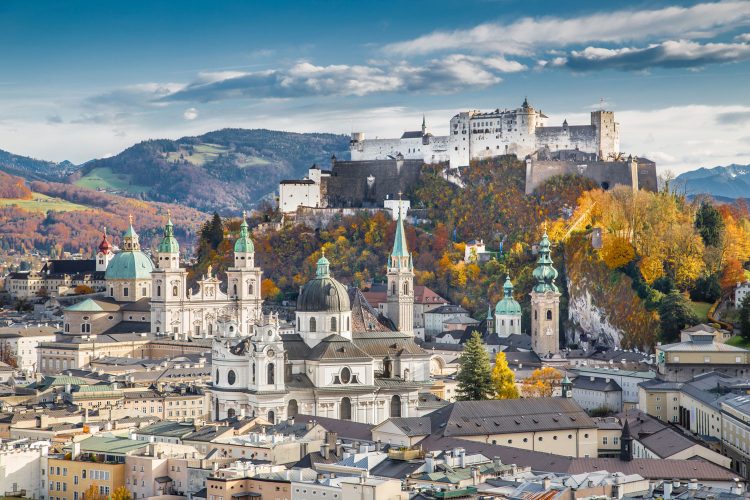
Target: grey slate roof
336, 347
470, 418
596, 384
345, 429
413, 426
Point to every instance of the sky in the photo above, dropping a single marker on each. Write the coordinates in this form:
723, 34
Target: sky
86, 79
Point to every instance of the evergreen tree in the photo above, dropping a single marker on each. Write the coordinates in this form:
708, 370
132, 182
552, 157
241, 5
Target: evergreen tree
675, 314
474, 373
503, 379
215, 231
709, 224
745, 318
706, 289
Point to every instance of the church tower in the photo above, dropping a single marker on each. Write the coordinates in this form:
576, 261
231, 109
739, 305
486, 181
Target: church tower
168, 285
104, 253
244, 279
400, 296
545, 304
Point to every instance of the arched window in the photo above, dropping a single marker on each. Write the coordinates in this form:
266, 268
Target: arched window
312, 324
234, 287
396, 406
217, 376
272, 417
271, 374
174, 291
210, 328
406, 374
253, 372
333, 324
347, 323
393, 288
345, 409
250, 288
299, 324
125, 291
292, 408
535, 315
158, 290
549, 314
406, 288
231, 413
111, 291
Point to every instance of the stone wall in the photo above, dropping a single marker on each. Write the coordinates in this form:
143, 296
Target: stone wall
637, 173
369, 183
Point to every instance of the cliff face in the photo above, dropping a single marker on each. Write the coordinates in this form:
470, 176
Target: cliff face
603, 308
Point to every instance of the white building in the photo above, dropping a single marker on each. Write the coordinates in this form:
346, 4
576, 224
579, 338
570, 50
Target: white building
22, 343
21, 466
341, 362
507, 317
302, 192
628, 381
435, 320
476, 135
597, 393
740, 292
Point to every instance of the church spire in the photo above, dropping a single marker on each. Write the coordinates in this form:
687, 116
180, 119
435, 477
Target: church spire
424, 125
323, 265
244, 244
169, 242
545, 274
400, 256
130, 241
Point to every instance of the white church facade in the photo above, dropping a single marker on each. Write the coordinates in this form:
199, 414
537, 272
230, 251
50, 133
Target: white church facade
343, 360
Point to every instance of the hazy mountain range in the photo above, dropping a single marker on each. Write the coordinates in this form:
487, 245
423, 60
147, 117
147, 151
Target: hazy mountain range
732, 181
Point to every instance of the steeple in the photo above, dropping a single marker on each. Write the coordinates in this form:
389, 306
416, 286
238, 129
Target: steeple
424, 125
244, 244
508, 288
104, 246
400, 256
169, 242
400, 293
545, 274
130, 241
626, 442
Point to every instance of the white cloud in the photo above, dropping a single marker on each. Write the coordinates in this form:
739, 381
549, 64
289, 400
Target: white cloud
190, 114
669, 54
526, 35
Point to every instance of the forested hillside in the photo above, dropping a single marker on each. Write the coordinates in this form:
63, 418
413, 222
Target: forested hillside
227, 170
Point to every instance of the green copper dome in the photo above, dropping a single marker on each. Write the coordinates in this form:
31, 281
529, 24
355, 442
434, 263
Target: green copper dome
169, 242
244, 244
129, 265
323, 293
508, 306
544, 273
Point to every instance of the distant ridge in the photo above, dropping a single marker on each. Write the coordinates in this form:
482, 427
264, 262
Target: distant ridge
732, 181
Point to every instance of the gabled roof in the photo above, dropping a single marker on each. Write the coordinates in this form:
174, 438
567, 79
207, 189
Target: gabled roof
90, 305
471, 418
412, 426
600, 384
344, 429
336, 347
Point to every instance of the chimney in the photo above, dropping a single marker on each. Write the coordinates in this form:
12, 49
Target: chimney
546, 483
667, 490
474, 476
429, 462
290, 420
75, 450
309, 425
737, 487
325, 450
461, 457
693, 485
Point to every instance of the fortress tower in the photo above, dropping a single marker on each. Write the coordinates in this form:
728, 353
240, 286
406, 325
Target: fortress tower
607, 134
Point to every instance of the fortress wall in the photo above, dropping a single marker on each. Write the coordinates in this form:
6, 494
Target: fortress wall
581, 137
606, 174
349, 184
647, 178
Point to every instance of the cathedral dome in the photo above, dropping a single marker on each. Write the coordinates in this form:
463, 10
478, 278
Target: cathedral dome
129, 265
244, 244
323, 293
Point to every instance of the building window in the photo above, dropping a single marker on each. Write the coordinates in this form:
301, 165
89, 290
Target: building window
549, 314
143, 291
125, 292
174, 291
158, 290
312, 324
271, 374
234, 287
345, 409
333, 324
345, 375
605, 440
231, 377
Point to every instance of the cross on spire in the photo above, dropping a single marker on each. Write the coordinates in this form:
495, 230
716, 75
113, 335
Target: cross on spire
130, 219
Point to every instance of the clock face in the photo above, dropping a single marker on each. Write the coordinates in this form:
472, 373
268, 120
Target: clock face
270, 353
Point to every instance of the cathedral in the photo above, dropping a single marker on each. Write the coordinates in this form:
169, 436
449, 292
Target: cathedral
342, 361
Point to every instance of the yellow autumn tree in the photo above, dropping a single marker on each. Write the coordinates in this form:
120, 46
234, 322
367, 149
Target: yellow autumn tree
268, 289
617, 251
541, 383
651, 269
92, 493
503, 379
121, 493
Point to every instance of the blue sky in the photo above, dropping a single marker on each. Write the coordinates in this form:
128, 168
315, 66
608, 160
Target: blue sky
85, 79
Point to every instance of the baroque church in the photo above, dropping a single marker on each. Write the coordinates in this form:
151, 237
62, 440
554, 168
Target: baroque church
342, 361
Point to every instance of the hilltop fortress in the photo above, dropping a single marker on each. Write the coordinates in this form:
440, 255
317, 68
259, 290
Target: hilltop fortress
477, 135
380, 168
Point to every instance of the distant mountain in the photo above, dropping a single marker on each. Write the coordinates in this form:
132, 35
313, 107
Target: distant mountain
226, 170
32, 169
732, 181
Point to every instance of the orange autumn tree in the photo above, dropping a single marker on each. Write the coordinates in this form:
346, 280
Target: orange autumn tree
542, 382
